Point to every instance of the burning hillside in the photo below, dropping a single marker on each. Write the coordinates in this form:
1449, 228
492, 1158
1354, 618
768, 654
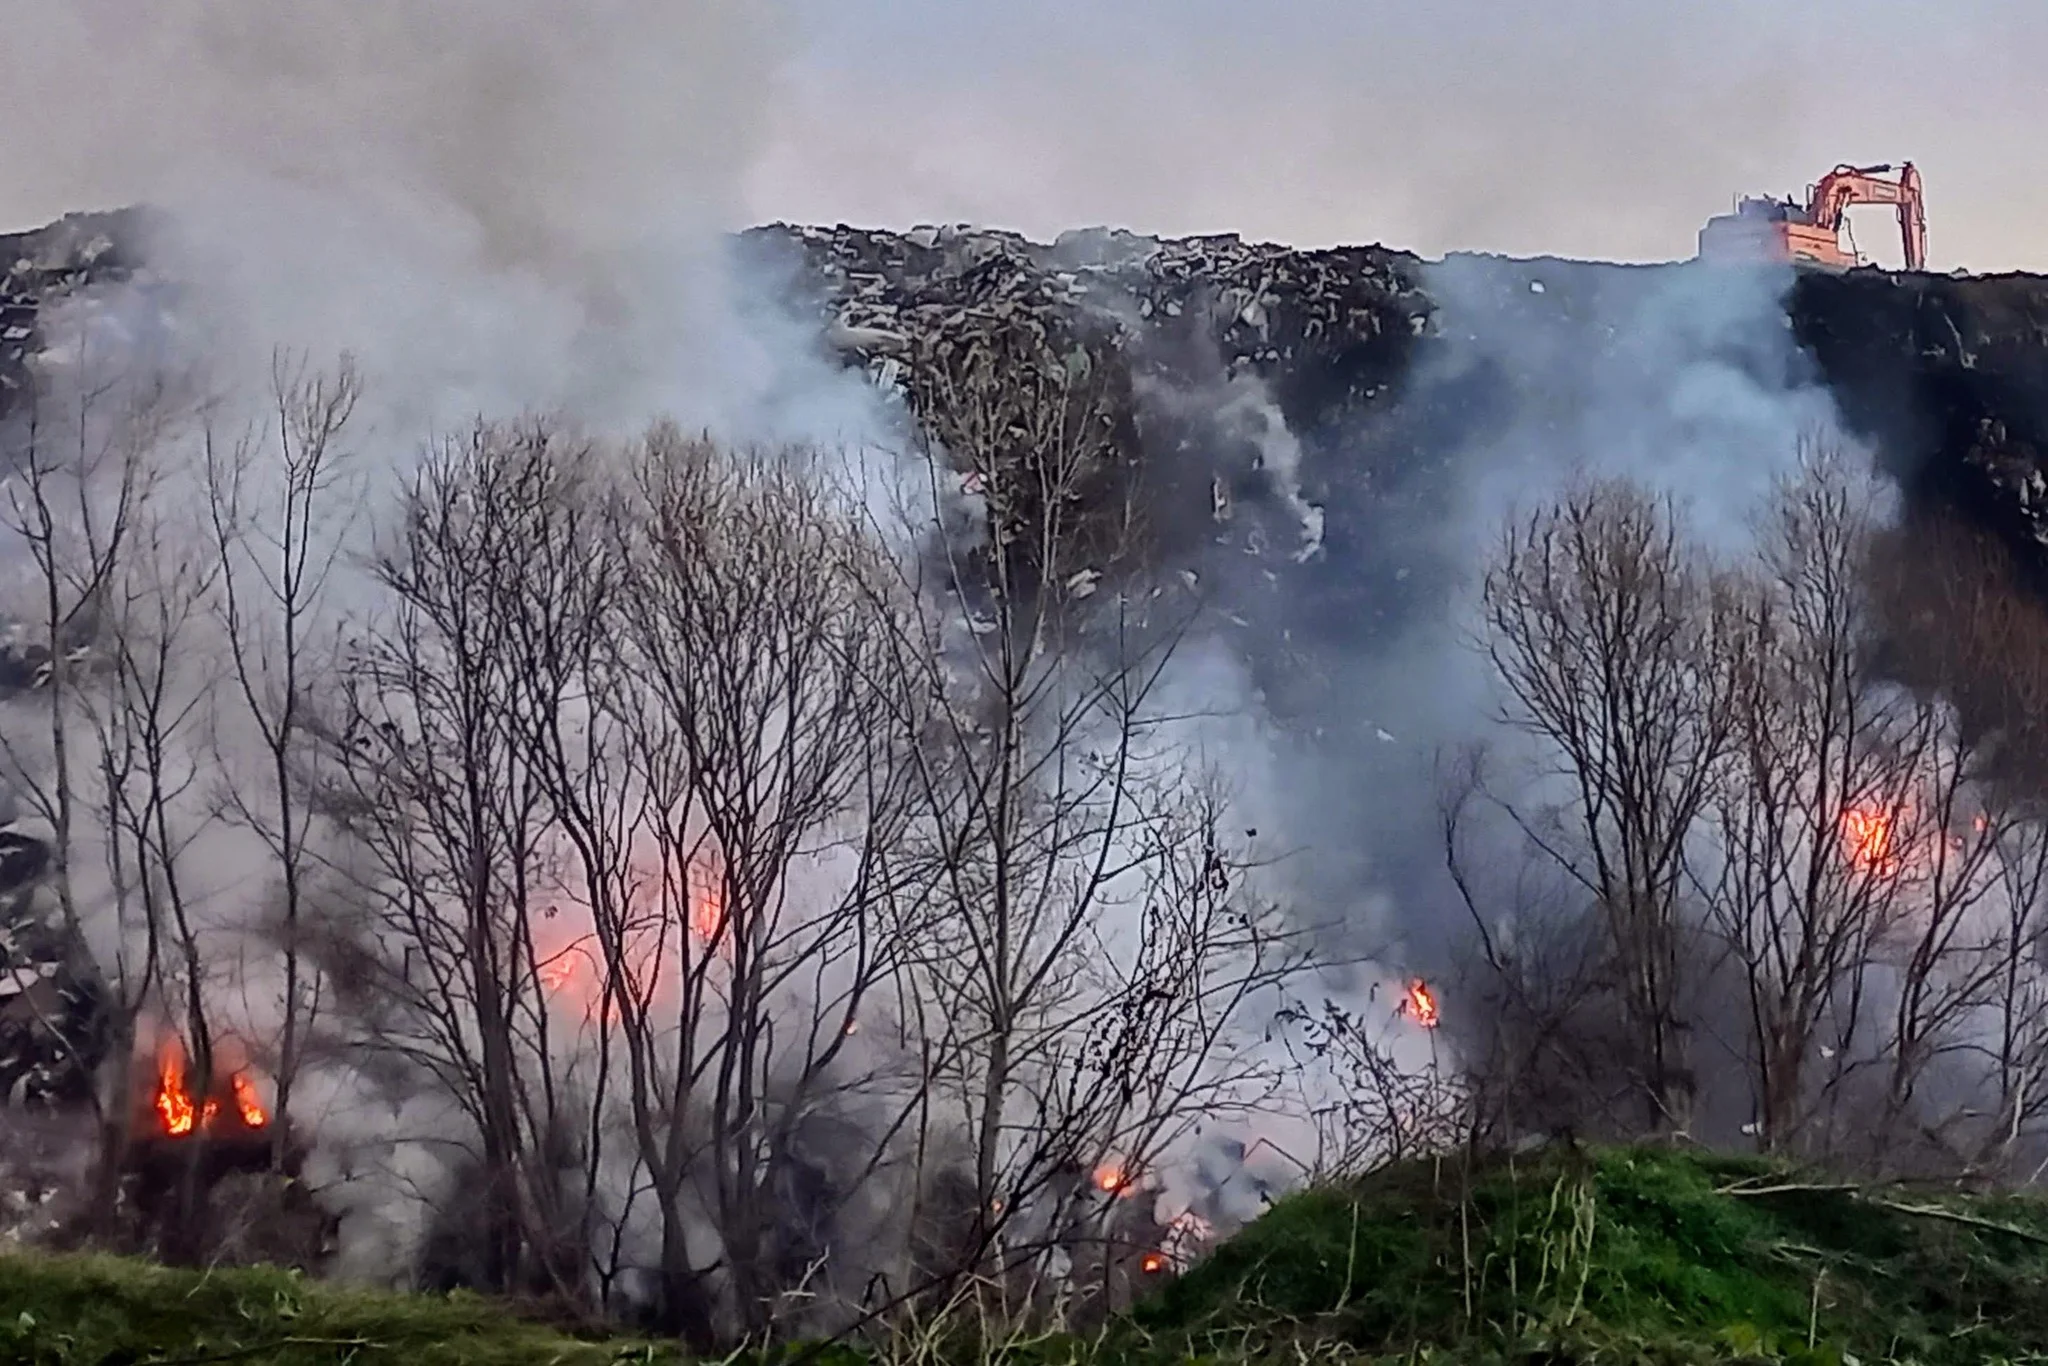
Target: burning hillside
1315, 444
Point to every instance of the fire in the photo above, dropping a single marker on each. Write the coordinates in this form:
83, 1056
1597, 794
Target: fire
1867, 837
1111, 1179
180, 1112
632, 962
557, 974
1420, 1004
707, 903
253, 1115
1152, 1263
173, 1102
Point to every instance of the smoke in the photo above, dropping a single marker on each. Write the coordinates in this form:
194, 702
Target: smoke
492, 208
1537, 373
499, 205
495, 207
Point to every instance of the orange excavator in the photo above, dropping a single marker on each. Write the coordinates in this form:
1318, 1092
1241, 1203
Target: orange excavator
1811, 233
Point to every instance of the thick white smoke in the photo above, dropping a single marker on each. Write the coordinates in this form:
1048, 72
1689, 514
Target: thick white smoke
495, 206
500, 205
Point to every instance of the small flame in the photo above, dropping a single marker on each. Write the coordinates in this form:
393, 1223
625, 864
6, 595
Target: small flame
1867, 837
707, 909
558, 974
246, 1101
1152, 1263
173, 1103
1420, 1004
1111, 1179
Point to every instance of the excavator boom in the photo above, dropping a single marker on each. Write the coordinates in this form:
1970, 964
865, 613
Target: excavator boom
1785, 230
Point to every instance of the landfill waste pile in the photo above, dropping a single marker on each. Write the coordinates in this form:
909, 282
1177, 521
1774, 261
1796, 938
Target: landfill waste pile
1288, 424
52, 1021
53, 1025
1311, 415
42, 267
1202, 369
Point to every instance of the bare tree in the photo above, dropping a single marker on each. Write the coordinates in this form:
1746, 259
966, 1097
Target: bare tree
444, 835
1604, 627
735, 798
2018, 1046
148, 725
90, 459
280, 504
1092, 938
1819, 855
1961, 627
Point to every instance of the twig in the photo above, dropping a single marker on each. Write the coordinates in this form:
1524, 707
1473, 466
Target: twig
1955, 1217
1896, 1206
1741, 1190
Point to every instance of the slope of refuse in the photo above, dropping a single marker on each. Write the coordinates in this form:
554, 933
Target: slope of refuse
1296, 426
1304, 423
1947, 375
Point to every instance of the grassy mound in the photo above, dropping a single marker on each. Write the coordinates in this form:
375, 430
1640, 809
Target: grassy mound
1567, 1257
1624, 1256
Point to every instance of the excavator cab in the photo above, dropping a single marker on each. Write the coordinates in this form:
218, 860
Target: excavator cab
1810, 234
1763, 230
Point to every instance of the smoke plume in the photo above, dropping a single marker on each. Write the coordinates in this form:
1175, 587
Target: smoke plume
495, 207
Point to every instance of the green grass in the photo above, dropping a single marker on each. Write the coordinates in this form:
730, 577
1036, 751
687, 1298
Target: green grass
1625, 1256
1566, 1258
104, 1311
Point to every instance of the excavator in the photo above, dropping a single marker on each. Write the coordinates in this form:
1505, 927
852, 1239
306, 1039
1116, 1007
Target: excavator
1811, 233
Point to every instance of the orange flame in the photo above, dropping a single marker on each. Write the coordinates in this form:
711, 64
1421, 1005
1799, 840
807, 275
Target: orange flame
178, 1110
1152, 1263
173, 1102
557, 974
1420, 1004
707, 904
595, 973
247, 1102
1111, 1179
1867, 838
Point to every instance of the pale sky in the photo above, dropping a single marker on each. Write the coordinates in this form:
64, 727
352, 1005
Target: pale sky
1597, 128
1591, 128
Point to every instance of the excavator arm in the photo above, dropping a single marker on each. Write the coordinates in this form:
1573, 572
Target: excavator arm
1828, 201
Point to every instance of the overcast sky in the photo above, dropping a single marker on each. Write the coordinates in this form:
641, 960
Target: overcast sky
1597, 128
1603, 128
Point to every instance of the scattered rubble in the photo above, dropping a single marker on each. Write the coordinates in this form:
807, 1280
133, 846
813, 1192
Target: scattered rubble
53, 1024
39, 267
